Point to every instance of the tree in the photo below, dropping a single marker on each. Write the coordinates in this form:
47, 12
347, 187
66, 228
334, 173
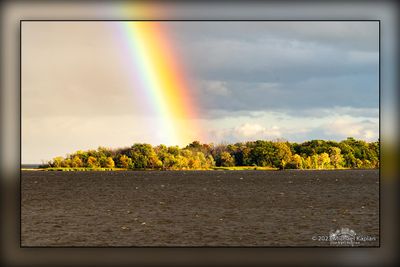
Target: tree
102, 161
196, 145
92, 162
66, 163
197, 161
109, 163
324, 160
335, 157
57, 162
210, 162
313, 154
297, 161
307, 163
169, 162
350, 160
226, 159
263, 154
283, 153
174, 150
182, 162
242, 154
315, 161
125, 162
76, 162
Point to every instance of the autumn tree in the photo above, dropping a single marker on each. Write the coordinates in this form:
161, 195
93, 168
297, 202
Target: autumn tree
335, 157
57, 162
92, 162
76, 162
324, 160
109, 163
314, 154
125, 162
226, 159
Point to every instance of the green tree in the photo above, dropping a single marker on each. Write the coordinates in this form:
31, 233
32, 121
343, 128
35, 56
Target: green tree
144, 156
283, 154
263, 154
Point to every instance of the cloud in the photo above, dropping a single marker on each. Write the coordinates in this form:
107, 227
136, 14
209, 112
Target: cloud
357, 95
245, 132
362, 57
293, 67
218, 88
320, 112
343, 34
274, 125
347, 126
252, 130
289, 51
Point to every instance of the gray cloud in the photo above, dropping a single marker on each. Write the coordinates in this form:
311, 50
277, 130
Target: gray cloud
296, 67
362, 35
351, 94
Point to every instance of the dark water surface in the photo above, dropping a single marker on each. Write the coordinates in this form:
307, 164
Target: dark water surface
197, 208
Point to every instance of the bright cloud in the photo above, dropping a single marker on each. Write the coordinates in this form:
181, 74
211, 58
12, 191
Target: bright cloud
348, 126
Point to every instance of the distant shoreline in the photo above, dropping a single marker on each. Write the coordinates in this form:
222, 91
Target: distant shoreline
237, 168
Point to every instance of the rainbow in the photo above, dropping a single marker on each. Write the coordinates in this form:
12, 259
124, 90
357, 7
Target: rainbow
160, 76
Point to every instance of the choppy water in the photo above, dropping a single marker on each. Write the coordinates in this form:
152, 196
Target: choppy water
197, 208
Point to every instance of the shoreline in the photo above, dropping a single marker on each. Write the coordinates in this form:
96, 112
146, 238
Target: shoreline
242, 168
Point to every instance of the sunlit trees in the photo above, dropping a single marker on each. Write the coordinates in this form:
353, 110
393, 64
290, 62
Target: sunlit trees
324, 161
283, 154
296, 162
76, 162
66, 163
314, 154
335, 157
92, 162
210, 162
226, 160
109, 163
125, 162
315, 161
57, 161
169, 162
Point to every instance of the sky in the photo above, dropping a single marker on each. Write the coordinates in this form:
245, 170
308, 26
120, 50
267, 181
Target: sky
246, 80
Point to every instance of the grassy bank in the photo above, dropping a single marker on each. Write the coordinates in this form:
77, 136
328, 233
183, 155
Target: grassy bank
67, 169
78, 169
245, 168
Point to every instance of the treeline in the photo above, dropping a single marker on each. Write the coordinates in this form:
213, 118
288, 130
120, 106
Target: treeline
315, 154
